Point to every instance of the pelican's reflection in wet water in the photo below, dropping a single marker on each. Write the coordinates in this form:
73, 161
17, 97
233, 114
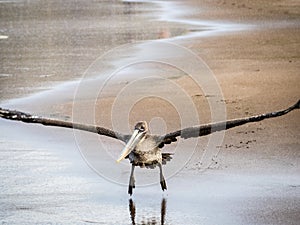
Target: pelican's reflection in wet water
151, 219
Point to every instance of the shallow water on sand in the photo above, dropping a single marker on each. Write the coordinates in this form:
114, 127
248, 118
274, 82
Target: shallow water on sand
45, 43
44, 180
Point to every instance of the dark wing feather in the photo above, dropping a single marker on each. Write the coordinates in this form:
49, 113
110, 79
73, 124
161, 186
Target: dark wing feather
207, 129
28, 118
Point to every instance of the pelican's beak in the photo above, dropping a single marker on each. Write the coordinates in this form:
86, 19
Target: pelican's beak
136, 137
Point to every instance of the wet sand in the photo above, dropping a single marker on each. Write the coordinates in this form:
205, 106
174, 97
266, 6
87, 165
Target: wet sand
253, 180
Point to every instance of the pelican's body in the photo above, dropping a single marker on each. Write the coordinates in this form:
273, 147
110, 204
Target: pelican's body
146, 153
142, 149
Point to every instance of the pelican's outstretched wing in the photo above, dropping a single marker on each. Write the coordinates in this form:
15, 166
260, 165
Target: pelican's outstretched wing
28, 118
207, 129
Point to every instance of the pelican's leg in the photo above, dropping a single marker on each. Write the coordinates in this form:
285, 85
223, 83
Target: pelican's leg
131, 181
163, 183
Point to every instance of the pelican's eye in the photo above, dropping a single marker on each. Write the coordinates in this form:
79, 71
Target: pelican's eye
142, 128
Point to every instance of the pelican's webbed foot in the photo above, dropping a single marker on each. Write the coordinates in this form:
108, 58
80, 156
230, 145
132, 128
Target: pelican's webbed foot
163, 183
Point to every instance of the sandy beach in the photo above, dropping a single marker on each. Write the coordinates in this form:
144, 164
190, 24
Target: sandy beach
50, 66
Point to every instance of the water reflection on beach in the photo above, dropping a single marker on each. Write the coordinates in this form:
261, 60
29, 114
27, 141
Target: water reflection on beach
149, 218
44, 43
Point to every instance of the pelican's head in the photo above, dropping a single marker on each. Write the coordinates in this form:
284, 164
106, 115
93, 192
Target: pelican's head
139, 133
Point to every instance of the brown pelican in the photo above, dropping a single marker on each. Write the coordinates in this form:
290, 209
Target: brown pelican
142, 148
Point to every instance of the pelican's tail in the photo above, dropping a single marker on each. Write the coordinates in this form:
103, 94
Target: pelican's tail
166, 157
